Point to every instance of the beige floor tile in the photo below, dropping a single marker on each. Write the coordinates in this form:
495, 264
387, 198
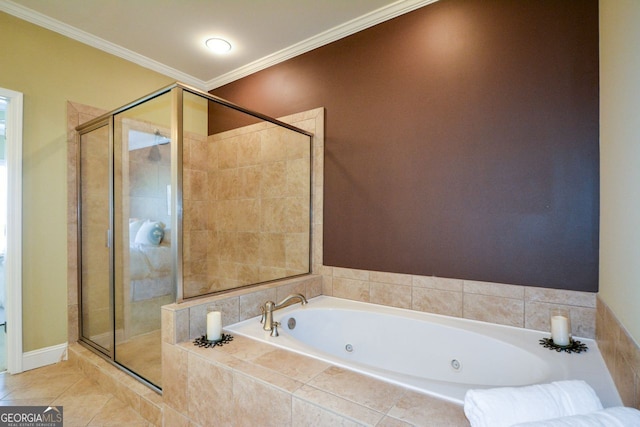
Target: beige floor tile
83, 401
83, 387
80, 410
26, 402
116, 413
44, 387
9, 383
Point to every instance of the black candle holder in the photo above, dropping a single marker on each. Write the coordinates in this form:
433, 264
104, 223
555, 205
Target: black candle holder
573, 347
204, 342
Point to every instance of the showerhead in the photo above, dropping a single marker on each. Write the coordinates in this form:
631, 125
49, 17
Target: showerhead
154, 152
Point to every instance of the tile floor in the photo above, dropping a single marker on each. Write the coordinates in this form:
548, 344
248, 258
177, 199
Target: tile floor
84, 402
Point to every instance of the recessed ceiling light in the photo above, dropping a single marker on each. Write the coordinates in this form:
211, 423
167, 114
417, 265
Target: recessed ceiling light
218, 45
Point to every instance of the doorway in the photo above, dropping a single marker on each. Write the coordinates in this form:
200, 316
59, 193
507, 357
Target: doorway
10, 230
3, 231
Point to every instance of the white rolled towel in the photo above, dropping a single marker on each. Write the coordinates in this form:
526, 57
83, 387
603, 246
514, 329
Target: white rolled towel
506, 406
610, 417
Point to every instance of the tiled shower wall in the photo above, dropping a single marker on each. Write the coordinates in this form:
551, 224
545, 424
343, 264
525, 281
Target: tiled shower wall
76, 114
98, 326
145, 184
312, 121
246, 208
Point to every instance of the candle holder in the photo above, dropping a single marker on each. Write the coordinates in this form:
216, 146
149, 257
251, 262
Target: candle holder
574, 346
204, 342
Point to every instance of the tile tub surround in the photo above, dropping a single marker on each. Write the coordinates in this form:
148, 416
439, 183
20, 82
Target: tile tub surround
250, 383
302, 390
246, 367
247, 383
621, 354
187, 320
312, 394
512, 305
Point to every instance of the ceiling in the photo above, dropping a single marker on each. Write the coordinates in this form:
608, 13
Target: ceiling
168, 35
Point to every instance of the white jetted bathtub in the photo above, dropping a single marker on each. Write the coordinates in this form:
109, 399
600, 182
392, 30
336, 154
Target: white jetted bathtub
438, 355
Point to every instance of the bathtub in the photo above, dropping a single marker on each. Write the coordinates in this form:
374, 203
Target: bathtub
438, 355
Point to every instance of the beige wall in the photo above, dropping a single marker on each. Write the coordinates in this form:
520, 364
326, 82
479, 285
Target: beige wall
619, 160
51, 69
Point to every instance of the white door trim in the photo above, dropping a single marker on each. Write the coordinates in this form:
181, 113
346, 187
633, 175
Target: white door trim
13, 260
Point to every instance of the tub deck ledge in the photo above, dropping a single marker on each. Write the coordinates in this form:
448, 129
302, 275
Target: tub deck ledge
259, 380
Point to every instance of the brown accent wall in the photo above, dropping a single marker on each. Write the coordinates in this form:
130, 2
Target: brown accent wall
461, 140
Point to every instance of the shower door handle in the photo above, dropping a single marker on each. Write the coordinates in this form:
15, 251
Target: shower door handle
107, 243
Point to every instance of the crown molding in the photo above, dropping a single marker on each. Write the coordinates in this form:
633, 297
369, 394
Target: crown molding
351, 27
59, 27
336, 33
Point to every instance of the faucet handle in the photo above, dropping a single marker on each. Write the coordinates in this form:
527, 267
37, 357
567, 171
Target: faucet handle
263, 317
274, 330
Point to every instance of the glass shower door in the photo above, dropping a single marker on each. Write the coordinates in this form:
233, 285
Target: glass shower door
142, 235
96, 323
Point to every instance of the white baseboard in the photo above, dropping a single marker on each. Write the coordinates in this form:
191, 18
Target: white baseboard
44, 356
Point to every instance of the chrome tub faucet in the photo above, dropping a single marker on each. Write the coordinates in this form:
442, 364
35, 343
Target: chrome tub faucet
269, 307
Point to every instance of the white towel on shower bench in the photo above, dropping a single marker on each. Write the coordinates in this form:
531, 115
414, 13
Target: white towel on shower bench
506, 406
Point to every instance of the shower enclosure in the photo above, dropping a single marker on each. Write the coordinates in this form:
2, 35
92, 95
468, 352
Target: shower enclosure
180, 195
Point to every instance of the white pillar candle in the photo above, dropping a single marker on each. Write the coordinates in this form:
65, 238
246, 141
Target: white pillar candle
560, 333
214, 325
